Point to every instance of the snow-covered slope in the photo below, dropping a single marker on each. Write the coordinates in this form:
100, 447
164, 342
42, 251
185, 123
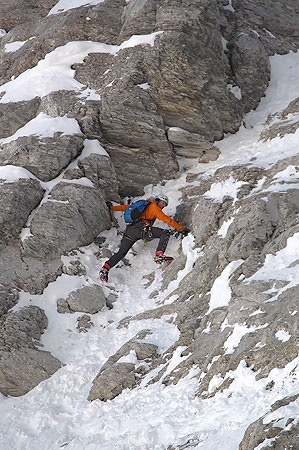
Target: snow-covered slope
153, 416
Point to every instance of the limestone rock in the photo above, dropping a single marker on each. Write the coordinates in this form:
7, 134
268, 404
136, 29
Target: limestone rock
141, 168
56, 30
191, 145
276, 23
24, 369
17, 200
189, 104
8, 298
45, 158
89, 299
18, 12
75, 267
100, 170
15, 115
251, 67
267, 429
112, 381
180, 82
117, 375
84, 323
27, 273
22, 365
74, 215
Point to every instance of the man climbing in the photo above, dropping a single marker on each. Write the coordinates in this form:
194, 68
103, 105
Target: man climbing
143, 229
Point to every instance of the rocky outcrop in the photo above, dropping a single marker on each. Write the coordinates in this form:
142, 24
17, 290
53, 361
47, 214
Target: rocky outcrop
89, 299
118, 374
73, 216
194, 89
8, 298
182, 79
27, 273
247, 53
17, 201
275, 23
274, 428
16, 115
191, 145
44, 158
18, 12
22, 364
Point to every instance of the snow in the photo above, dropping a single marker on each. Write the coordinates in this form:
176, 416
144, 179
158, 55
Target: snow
222, 232
144, 86
9, 173
56, 414
229, 188
54, 72
92, 146
66, 5
240, 329
14, 46
221, 292
282, 335
283, 265
44, 125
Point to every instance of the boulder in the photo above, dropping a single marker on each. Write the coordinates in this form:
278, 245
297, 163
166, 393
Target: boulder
17, 201
117, 374
46, 157
72, 217
191, 145
24, 369
22, 365
27, 273
89, 299
15, 115
112, 381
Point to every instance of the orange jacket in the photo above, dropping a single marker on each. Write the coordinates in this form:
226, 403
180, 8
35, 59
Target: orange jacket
151, 213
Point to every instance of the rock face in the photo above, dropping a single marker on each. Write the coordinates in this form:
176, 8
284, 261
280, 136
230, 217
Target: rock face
268, 430
17, 12
183, 79
73, 214
9, 298
17, 201
46, 158
246, 54
126, 109
22, 364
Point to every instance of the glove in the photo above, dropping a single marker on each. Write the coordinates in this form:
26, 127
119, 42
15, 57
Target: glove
109, 204
180, 234
175, 233
185, 232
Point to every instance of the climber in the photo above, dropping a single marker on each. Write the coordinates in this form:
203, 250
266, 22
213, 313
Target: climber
143, 229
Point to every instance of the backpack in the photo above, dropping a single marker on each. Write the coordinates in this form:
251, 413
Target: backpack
134, 211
